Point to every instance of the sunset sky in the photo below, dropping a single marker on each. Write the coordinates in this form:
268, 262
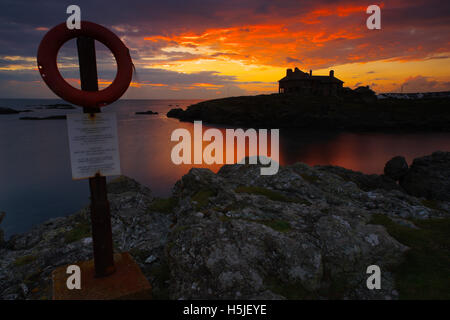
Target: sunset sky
213, 48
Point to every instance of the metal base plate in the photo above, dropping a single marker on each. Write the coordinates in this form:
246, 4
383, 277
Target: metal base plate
127, 282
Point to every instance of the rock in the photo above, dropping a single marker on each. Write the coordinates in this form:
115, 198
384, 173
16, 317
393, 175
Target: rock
261, 240
146, 112
8, 111
396, 168
87, 241
150, 259
122, 183
61, 117
366, 182
24, 288
175, 113
59, 106
241, 245
429, 177
405, 223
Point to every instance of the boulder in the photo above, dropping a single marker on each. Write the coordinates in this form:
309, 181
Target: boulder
366, 182
59, 117
146, 112
429, 177
396, 168
292, 235
8, 111
175, 113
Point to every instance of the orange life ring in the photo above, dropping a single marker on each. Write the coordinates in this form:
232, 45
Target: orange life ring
47, 55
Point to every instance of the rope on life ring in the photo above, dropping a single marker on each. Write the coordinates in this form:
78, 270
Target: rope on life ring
47, 66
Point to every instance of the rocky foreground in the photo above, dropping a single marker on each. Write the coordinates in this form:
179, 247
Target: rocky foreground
304, 233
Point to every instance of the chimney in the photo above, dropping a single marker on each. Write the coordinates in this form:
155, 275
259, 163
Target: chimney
288, 72
331, 73
310, 73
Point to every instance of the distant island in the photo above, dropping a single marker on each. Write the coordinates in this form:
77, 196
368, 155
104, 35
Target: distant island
11, 111
320, 102
146, 112
55, 106
59, 106
59, 117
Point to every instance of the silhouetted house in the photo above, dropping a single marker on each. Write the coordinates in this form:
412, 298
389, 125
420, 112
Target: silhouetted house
301, 82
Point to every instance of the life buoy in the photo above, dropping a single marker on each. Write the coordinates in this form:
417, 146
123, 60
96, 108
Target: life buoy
47, 56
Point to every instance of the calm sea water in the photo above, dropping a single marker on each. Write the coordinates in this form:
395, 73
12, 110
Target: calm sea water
35, 173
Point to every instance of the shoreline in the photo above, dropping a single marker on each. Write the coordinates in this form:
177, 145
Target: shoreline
354, 113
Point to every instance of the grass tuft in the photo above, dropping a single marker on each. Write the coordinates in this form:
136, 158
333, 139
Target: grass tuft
202, 197
432, 204
272, 195
278, 225
164, 205
309, 178
424, 274
79, 231
291, 291
21, 261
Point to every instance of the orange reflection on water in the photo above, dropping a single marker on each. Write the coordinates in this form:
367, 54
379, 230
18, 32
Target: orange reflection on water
146, 150
365, 152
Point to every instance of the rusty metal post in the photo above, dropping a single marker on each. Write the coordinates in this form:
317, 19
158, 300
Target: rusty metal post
100, 213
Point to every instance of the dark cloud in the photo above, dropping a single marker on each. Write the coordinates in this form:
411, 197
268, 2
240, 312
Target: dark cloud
178, 78
292, 60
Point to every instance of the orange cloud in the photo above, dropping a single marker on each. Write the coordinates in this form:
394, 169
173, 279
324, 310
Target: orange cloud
324, 37
247, 47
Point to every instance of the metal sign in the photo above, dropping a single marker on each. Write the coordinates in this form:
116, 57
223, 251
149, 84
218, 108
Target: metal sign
93, 142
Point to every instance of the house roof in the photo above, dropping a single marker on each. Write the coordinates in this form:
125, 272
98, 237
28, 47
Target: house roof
300, 75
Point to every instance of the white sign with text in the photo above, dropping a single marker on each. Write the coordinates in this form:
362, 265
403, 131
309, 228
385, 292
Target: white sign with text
94, 146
